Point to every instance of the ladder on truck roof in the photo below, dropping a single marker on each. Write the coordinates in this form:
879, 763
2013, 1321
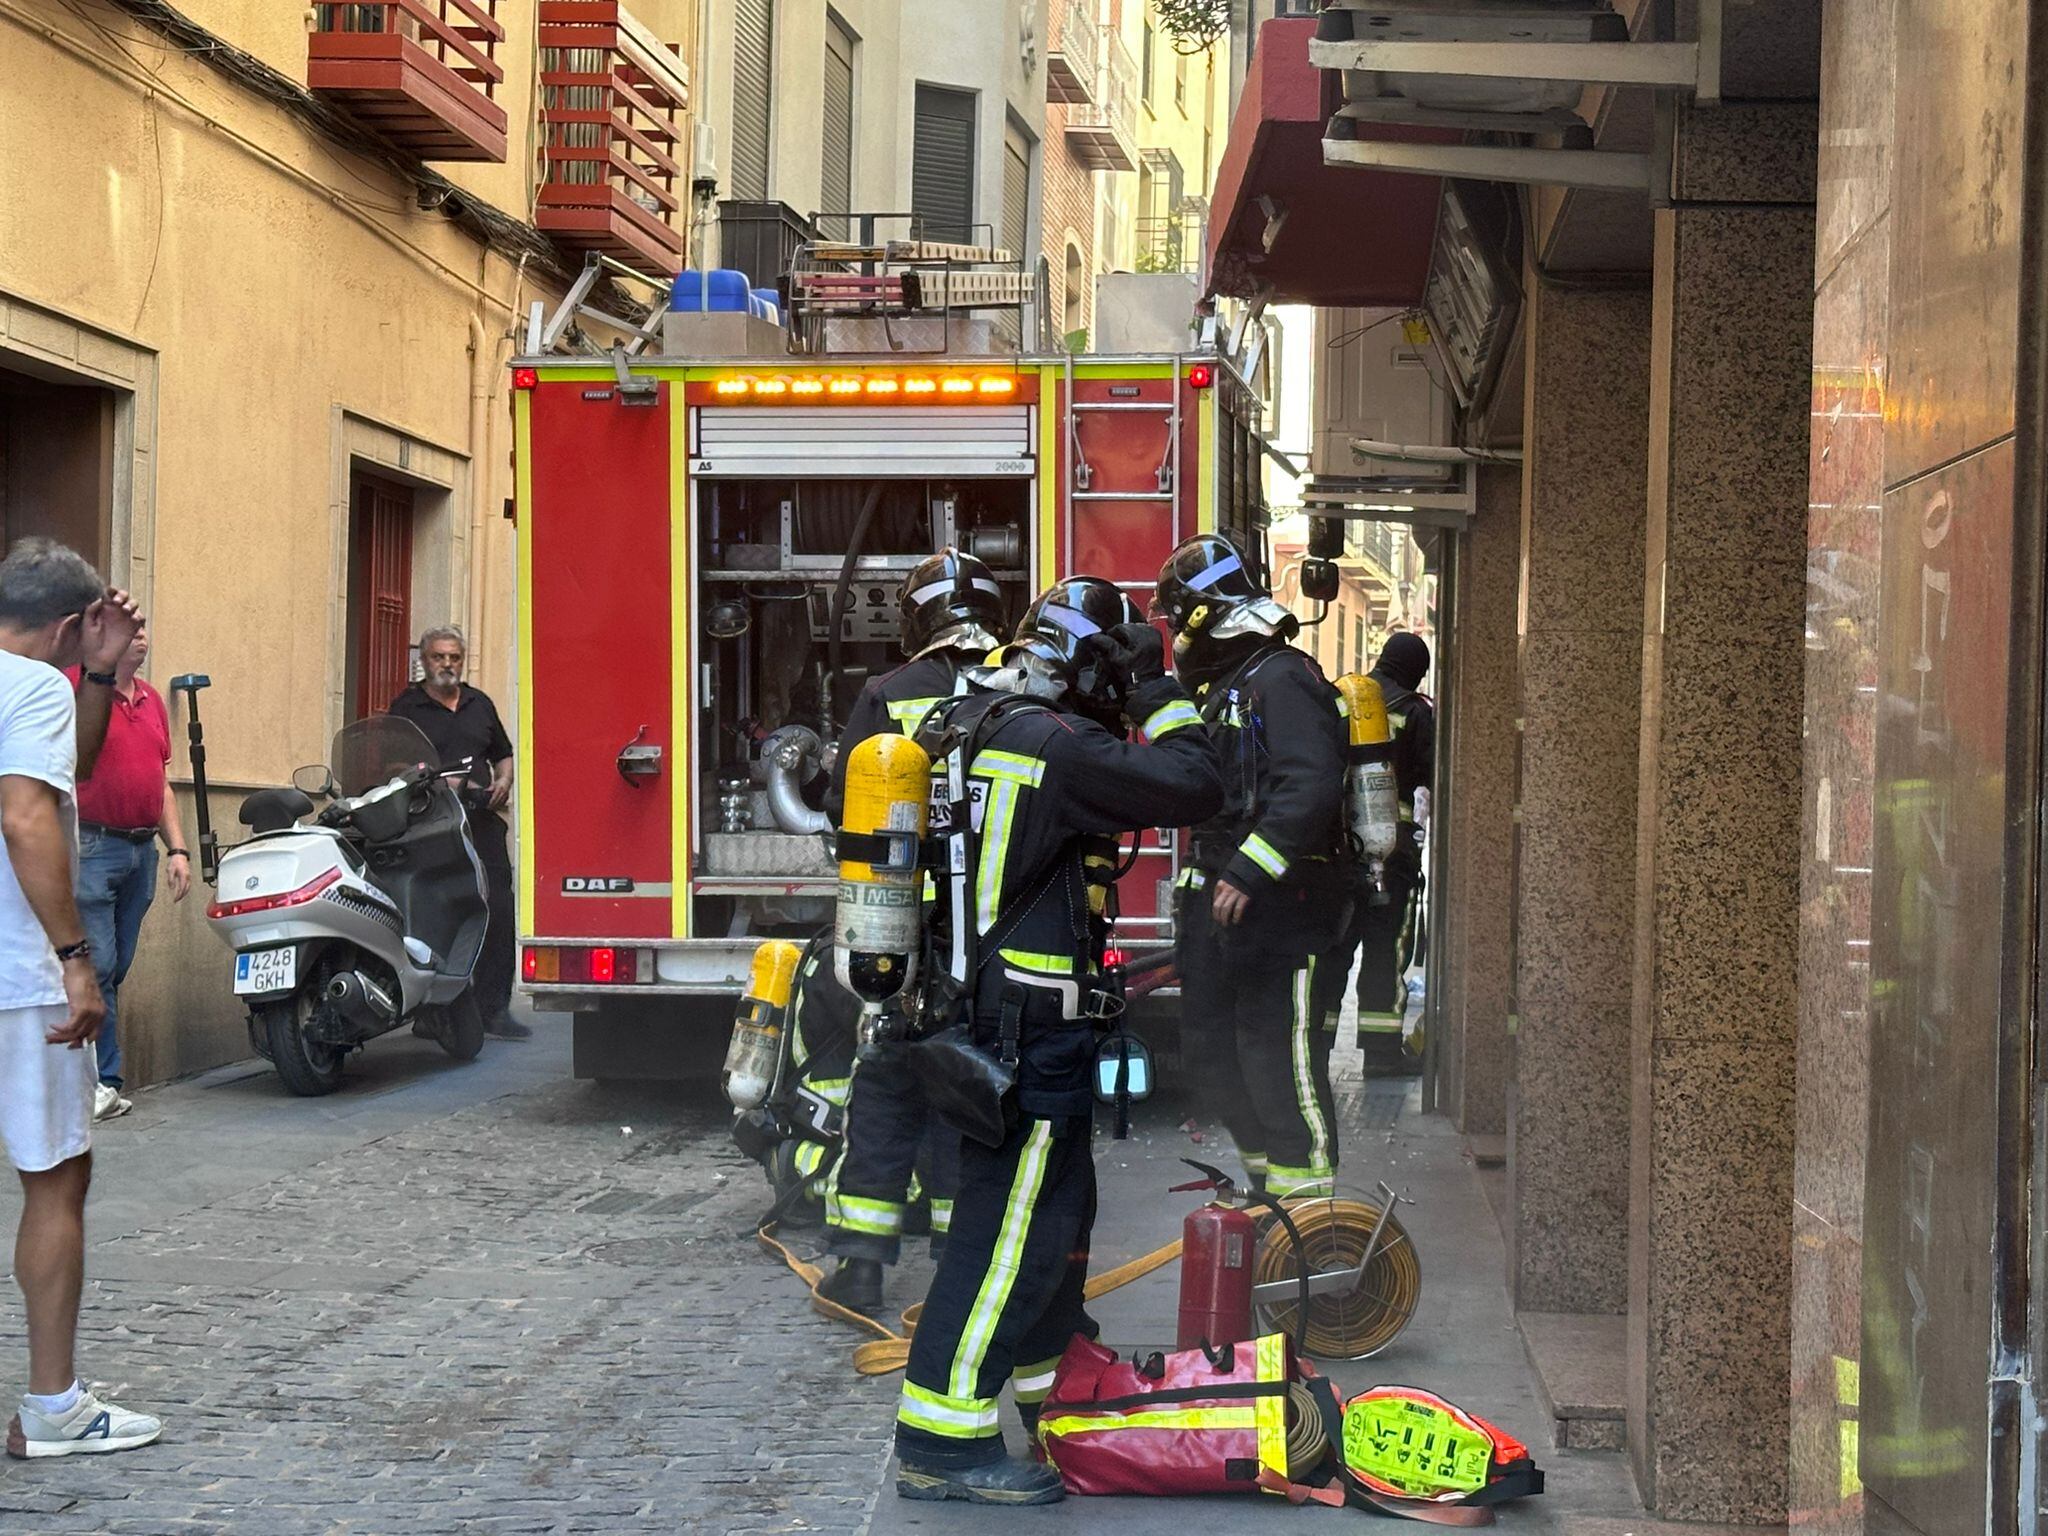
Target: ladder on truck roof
546, 333
869, 286
1077, 482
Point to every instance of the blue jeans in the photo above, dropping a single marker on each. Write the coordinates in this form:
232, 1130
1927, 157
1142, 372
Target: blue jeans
116, 883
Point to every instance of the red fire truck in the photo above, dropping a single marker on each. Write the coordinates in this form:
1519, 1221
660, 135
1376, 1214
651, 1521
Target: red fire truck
709, 553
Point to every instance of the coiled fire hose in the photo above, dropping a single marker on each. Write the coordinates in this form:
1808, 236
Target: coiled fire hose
1341, 1325
1307, 1440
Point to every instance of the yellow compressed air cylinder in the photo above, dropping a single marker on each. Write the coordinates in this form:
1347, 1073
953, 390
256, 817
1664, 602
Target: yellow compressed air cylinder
879, 926
1365, 706
754, 1056
1372, 798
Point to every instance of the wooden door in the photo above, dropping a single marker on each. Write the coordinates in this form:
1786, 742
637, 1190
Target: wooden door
380, 594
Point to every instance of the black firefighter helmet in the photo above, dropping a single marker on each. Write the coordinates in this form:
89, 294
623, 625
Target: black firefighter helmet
950, 591
1061, 631
1208, 590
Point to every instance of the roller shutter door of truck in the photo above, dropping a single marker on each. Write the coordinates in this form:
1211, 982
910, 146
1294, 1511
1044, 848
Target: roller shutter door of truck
863, 440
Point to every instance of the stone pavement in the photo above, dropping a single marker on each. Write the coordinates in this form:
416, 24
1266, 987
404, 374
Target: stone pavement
488, 1298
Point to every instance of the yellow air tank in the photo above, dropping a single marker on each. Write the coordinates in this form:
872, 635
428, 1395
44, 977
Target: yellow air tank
879, 927
754, 1058
1372, 798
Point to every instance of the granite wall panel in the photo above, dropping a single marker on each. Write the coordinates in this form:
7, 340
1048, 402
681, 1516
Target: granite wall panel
1482, 707
1956, 236
1936, 905
1586, 438
1845, 472
1714, 1000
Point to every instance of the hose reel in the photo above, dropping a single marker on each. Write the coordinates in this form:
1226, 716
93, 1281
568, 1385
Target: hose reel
1365, 1277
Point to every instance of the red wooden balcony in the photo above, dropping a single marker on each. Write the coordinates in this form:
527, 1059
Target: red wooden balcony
419, 72
612, 99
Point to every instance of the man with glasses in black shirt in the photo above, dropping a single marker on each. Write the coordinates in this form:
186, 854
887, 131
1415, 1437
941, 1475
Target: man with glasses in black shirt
463, 725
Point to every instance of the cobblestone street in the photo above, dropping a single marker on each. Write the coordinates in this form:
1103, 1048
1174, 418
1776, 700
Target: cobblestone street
493, 1299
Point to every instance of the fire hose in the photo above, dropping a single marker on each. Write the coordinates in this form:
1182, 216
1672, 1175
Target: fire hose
1342, 1323
890, 1351
1307, 1440
1336, 1234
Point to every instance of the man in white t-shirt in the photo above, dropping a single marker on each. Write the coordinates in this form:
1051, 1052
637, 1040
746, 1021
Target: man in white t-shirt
54, 612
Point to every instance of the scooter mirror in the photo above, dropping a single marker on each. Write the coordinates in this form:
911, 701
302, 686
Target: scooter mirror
313, 779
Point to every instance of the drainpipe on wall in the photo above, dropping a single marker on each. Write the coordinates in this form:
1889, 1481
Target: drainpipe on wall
481, 361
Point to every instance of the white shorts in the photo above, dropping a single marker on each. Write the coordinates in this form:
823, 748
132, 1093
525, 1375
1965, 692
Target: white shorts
45, 1090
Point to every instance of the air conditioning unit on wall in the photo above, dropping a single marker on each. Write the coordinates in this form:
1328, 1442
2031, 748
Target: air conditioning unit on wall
1372, 381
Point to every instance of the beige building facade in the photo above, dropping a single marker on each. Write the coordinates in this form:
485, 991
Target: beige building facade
253, 361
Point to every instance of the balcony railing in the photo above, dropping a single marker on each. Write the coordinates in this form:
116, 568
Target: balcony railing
1170, 244
611, 100
1075, 58
421, 73
1104, 135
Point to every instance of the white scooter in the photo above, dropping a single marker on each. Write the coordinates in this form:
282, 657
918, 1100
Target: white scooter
368, 918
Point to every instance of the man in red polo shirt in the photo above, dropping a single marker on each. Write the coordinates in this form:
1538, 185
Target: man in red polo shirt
123, 808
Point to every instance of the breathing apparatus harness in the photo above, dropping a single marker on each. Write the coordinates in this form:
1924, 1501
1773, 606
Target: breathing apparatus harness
1219, 699
973, 1091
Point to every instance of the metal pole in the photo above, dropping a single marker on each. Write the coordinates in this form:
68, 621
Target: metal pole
189, 684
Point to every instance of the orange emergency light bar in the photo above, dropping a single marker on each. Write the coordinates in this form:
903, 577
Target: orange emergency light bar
888, 388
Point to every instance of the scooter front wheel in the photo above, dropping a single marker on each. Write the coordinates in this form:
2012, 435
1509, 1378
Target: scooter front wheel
306, 1067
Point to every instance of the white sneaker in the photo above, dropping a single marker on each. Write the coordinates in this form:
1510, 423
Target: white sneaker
107, 1103
91, 1426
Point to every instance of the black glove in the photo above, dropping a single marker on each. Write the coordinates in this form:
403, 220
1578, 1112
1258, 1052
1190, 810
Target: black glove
1135, 650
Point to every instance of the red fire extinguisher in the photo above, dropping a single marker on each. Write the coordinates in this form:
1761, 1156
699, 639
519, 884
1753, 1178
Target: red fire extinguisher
1217, 1242
1219, 1248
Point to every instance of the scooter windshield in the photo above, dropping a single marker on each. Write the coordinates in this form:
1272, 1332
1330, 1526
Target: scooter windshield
375, 750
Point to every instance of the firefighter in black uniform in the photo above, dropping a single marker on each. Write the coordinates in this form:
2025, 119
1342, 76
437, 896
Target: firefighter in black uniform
1386, 932
825, 1020
1044, 782
1268, 887
951, 617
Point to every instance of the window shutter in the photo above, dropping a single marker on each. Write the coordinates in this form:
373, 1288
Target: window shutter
753, 77
1016, 231
836, 188
942, 164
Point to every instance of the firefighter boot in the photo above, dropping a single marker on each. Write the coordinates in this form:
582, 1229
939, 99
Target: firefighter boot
855, 1285
1012, 1480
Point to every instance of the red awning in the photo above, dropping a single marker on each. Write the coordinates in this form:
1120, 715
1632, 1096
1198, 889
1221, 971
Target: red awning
1352, 237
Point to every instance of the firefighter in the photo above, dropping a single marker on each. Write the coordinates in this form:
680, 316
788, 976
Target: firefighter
951, 613
1045, 779
1385, 933
1267, 889
825, 1018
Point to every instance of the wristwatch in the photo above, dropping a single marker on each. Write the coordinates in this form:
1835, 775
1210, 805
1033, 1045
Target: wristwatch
104, 679
82, 950
177, 853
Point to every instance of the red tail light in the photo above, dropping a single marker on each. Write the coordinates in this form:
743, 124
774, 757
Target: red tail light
1201, 376
525, 378
603, 966
298, 898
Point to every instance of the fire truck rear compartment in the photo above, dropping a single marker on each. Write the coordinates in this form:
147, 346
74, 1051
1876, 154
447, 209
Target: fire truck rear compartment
798, 582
